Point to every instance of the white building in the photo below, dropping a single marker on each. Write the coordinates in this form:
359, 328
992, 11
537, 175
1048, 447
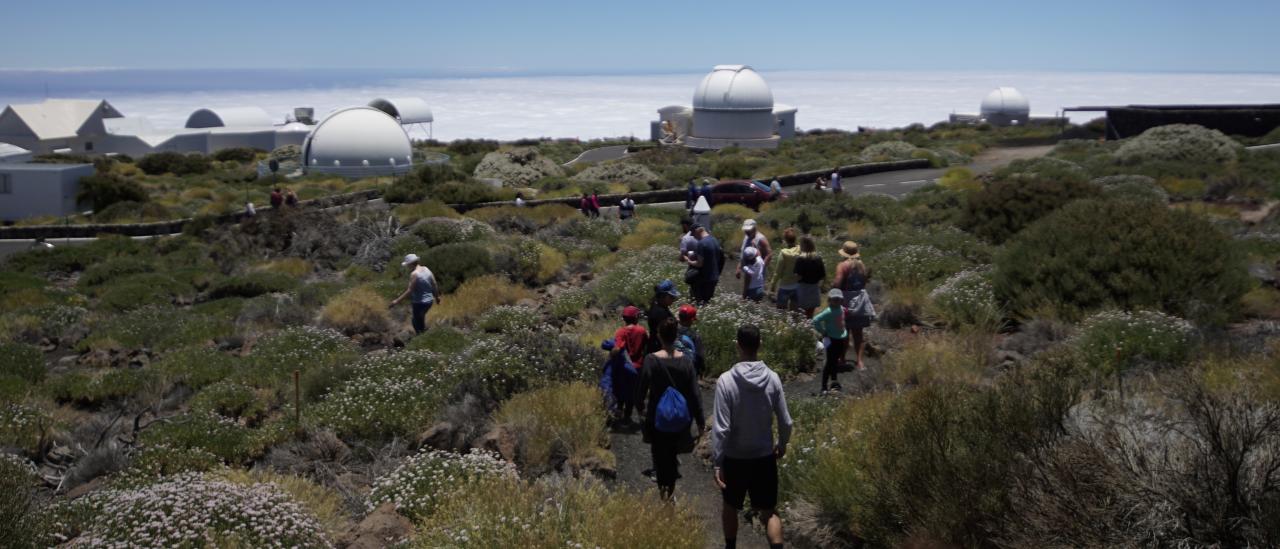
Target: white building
732, 107
57, 125
31, 190
12, 153
229, 117
358, 142
1004, 106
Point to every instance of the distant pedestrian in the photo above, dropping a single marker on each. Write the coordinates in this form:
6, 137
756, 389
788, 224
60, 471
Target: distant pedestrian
706, 264
852, 276
249, 210
752, 267
690, 196
41, 244
810, 271
595, 205
752, 238
519, 200
423, 292
277, 198
706, 193
664, 296
626, 208
835, 337
748, 398
837, 184
584, 205
689, 341
782, 275
688, 243
775, 188
290, 198
673, 404
820, 183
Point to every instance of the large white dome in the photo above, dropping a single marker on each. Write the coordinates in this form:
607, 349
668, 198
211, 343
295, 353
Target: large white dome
1006, 101
733, 88
358, 141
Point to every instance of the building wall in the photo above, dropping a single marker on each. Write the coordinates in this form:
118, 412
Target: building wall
38, 192
786, 122
733, 124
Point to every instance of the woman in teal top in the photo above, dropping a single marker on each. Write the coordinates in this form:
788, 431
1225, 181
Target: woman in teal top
830, 324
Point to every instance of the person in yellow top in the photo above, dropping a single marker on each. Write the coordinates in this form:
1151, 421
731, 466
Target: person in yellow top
783, 281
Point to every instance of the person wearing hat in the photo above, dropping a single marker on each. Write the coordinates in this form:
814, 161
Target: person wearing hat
664, 296
631, 338
830, 325
705, 265
752, 265
423, 292
751, 238
689, 341
852, 276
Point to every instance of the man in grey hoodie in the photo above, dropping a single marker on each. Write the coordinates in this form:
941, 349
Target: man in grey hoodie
748, 398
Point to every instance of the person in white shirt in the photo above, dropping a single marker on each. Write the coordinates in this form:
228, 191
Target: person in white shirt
519, 200
688, 243
753, 274
776, 188
837, 186
626, 208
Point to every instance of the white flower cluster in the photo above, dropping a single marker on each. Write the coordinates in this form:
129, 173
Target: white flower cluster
967, 298
392, 394
508, 319
787, 341
1180, 142
300, 345
424, 480
913, 264
632, 279
1114, 339
15, 462
190, 510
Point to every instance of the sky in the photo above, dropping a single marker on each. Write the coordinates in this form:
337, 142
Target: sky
477, 37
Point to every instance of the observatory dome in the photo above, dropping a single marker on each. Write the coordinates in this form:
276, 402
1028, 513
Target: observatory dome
733, 88
1005, 105
733, 102
358, 141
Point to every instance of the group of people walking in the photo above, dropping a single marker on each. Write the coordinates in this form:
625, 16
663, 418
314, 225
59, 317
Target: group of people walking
657, 370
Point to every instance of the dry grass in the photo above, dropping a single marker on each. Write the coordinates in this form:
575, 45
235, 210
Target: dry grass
559, 422
474, 297
650, 232
941, 358
358, 310
295, 267
550, 262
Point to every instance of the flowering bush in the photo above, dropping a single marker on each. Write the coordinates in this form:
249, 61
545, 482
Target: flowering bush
889, 150
1180, 143
97, 387
22, 426
156, 327
508, 319
191, 510
914, 265
605, 231
560, 513
231, 399
388, 395
1132, 187
212, 433
303, 347
498, 367
787, 342
426, 480
196, 366
571, 302
437, 231
968, 299
1114, 341
632, 278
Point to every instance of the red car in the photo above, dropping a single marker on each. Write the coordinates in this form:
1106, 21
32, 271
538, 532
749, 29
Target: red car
741, 191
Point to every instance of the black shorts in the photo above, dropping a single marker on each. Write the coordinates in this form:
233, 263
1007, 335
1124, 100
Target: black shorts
757, 477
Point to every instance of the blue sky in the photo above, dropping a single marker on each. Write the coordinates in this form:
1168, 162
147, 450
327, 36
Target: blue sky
653, 35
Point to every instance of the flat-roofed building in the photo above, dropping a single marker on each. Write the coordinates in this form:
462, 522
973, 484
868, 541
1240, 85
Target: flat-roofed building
33, 190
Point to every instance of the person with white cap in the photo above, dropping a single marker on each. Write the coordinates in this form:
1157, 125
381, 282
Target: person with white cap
423, 292
752, 238
830, 324
753, 267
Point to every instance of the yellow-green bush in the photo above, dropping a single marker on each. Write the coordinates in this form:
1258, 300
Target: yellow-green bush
940, 357
357, 310
554, 514
561, 421
295, 267
960, 179
474, 297
650, 232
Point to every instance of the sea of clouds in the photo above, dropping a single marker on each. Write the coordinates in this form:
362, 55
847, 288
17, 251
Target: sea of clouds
512, 107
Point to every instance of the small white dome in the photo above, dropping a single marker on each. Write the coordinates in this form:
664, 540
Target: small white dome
733, 88
359, 140
1007, 102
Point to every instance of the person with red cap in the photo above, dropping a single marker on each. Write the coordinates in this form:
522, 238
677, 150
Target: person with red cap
688, 340
629, 341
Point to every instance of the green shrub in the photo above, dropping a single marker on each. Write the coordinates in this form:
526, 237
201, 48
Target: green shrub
445, 340
567, 513
440, 230
1184, 143
175, 163
408, 214
1006, 206
156, 461
197, 511
960, 180
252, 284
23, 426
114, 268
103, 190
157, 328
230, 399
505, 319
196, 366
316, 352
236, 154
558, 423
21, 361
225, 438
425, 481
1132, 187
915, 265
632, 278
452, 264
26, 522
388, 396
571, 302
498, 367
1111, 342
1091, 255
603, 231
141, 290
887, 151
968, 299
787, 345
94, 389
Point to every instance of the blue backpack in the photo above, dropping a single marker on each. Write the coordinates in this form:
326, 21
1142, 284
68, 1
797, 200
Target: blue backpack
672, 414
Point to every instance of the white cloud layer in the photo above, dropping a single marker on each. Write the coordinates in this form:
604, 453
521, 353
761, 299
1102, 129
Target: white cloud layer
608, 106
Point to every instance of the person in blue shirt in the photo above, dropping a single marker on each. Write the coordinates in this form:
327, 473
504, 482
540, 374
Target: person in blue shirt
706, 192
708, 261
